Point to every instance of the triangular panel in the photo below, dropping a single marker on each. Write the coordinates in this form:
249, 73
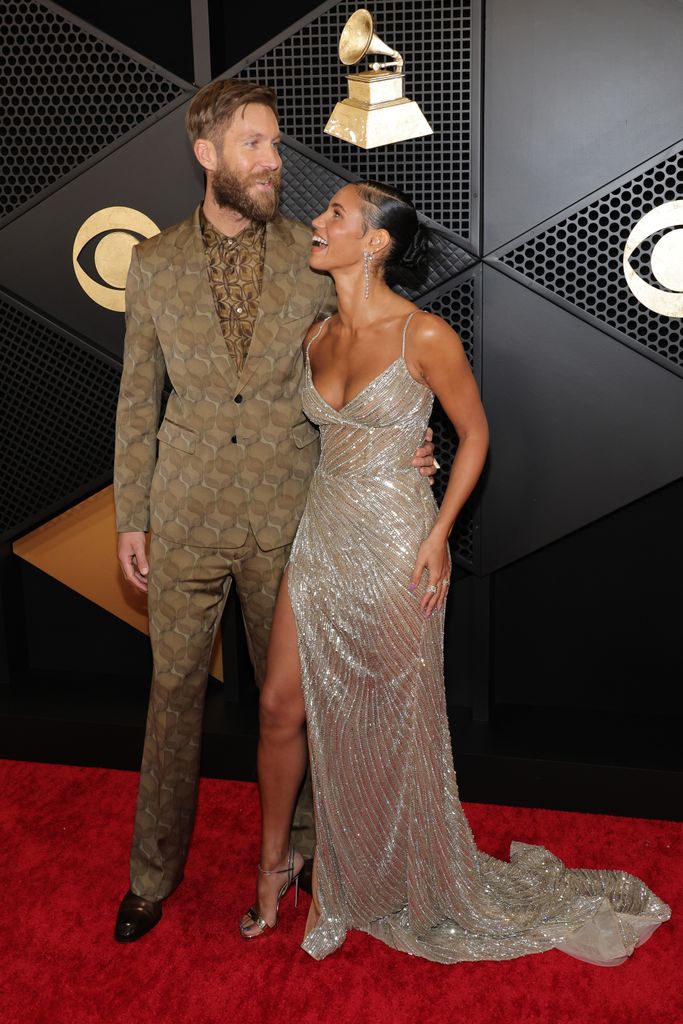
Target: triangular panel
67, 94
580, 424
578, 258
576, 93
437, 39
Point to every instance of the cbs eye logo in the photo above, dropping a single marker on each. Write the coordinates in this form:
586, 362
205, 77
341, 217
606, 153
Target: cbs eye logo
113, 231
666, 260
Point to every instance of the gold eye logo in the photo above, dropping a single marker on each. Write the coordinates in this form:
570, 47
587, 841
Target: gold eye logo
120, 228
666, 260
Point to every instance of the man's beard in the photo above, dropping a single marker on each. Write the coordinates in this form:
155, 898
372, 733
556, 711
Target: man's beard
230, 191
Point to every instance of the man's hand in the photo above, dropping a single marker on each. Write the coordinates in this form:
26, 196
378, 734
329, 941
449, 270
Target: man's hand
424, 457
133, 558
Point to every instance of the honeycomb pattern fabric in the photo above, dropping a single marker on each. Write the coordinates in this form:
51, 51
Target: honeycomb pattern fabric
396, 857
223, 497
235, 450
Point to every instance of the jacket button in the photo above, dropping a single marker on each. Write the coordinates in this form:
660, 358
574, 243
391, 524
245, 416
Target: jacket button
238, 399
234, 438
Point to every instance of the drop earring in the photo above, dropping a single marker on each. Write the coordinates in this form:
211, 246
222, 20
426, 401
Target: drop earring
367, 256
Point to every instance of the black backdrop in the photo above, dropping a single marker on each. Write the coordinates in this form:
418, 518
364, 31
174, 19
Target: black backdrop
552, 138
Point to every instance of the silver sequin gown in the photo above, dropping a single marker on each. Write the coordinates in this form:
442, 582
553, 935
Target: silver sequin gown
396, 856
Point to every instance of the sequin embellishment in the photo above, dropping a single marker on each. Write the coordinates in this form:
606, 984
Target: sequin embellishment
396, 855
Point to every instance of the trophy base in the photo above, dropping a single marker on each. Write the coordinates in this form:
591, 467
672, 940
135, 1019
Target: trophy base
370, 125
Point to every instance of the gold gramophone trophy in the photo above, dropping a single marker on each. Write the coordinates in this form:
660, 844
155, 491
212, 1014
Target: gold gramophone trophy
376, 112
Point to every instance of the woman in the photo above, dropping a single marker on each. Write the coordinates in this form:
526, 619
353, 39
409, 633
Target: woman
356, 649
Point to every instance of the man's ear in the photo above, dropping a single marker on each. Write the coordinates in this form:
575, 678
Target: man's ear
205, 151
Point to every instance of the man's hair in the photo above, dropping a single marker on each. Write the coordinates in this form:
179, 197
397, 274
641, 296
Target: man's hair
213, 107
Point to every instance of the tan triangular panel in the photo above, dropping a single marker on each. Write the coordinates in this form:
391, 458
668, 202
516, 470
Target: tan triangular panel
78, 548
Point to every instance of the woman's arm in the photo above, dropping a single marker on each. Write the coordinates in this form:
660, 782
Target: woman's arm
437, 358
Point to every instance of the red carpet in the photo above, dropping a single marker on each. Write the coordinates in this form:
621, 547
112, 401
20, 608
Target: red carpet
65, 834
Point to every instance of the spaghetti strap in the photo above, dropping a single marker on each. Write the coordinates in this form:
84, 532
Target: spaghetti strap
318, 332
405, 329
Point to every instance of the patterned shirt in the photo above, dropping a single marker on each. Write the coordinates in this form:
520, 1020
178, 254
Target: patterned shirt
235, 274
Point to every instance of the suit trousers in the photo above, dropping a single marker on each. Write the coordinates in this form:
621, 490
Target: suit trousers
188, 588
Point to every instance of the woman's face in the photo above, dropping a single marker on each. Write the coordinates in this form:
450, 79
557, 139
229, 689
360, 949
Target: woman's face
339, 234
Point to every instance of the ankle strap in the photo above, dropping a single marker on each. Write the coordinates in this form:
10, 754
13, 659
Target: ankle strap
280, 871
274, 871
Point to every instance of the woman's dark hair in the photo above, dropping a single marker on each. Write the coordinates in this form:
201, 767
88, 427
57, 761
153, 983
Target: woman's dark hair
407, 261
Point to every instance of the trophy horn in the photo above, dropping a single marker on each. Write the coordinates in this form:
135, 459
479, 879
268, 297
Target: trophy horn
358, 38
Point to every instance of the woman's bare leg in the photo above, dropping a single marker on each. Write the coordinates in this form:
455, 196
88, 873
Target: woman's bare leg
314, 909
281, 757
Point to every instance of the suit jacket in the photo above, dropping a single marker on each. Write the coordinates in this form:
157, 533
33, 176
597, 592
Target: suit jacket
233, 451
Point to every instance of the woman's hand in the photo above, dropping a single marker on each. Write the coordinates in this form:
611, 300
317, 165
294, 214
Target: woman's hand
432, 557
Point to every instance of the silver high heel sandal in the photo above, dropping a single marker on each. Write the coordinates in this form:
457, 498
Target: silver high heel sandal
253, 914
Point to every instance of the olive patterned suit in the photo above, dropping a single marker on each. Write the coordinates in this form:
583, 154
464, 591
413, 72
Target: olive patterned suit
223, 496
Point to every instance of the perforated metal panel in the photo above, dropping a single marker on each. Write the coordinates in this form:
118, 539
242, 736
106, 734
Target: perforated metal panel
57, 415
446, 261
306, 185
65, 94
307, 188
457, 305
435, 38
579, 258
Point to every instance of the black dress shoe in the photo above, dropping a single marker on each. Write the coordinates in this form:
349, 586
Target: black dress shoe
136, 917
306, 877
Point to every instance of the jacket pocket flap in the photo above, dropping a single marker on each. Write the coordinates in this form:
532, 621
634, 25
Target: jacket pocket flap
178, 437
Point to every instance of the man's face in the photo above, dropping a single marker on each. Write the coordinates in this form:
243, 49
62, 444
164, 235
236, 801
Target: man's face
247, 176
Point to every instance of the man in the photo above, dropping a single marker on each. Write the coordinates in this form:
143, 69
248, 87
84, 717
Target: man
221, 302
